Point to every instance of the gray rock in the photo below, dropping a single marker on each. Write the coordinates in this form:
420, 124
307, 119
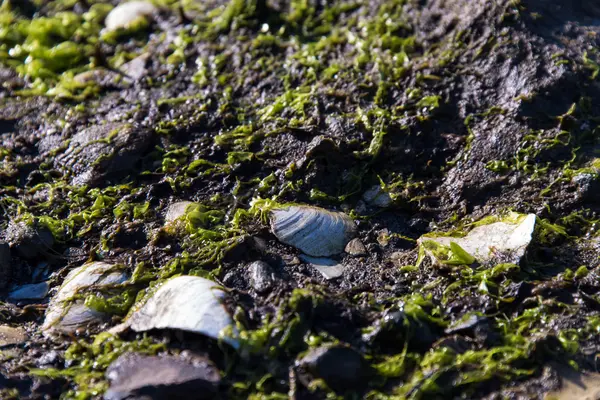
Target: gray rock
29, 240
356, 248
10, 336
102, 151
34, 291
261, 276
135, 376
377, 197
5, 265
48, 358
136, 68
341, 367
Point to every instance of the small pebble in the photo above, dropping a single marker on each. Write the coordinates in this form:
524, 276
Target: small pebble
356, 248
261, 276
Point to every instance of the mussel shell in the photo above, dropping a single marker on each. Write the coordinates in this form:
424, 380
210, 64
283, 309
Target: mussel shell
312, 230
67, 315
187, 303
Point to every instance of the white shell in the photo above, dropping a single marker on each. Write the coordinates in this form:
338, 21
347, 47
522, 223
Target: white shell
177, 210
124, 14
312, 230
65, 315
485, 242
188, 303
329, 268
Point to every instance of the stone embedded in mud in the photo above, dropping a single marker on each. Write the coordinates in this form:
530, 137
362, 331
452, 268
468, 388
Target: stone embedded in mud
66, 314
124, 14
356, 248
341, 367
10, 336
34, 291
177, 210
314, 231
506, 241
377, 197
261, 276
329, 268
136, 68
102, 151
395, 328
28, 239
136, 376
5, 265
187, 303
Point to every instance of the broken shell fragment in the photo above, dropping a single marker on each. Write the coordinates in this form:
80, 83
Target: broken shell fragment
328, 267
177, 210
187, 303
506, 241
312, 230
124, 14
66, 313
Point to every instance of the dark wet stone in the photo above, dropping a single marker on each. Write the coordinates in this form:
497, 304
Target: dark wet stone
341, 367
34, 291
476, 326
28, 240
395, 328
261, 276
458, 344
5, 266
103, 151
135, 376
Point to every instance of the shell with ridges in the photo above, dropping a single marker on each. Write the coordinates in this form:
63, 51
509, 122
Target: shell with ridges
67, 315
314, 231
187, 303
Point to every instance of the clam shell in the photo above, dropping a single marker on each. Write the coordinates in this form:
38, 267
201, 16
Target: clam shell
312, 230
124, 14
488, 242
64, 314
188, 303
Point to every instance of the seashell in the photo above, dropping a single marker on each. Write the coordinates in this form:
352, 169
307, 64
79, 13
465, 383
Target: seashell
176, 210
124, 14
507, 240
312, 230
329, 268
187, 303
66, 315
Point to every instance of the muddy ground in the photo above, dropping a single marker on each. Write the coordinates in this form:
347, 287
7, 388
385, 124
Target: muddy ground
459, 109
